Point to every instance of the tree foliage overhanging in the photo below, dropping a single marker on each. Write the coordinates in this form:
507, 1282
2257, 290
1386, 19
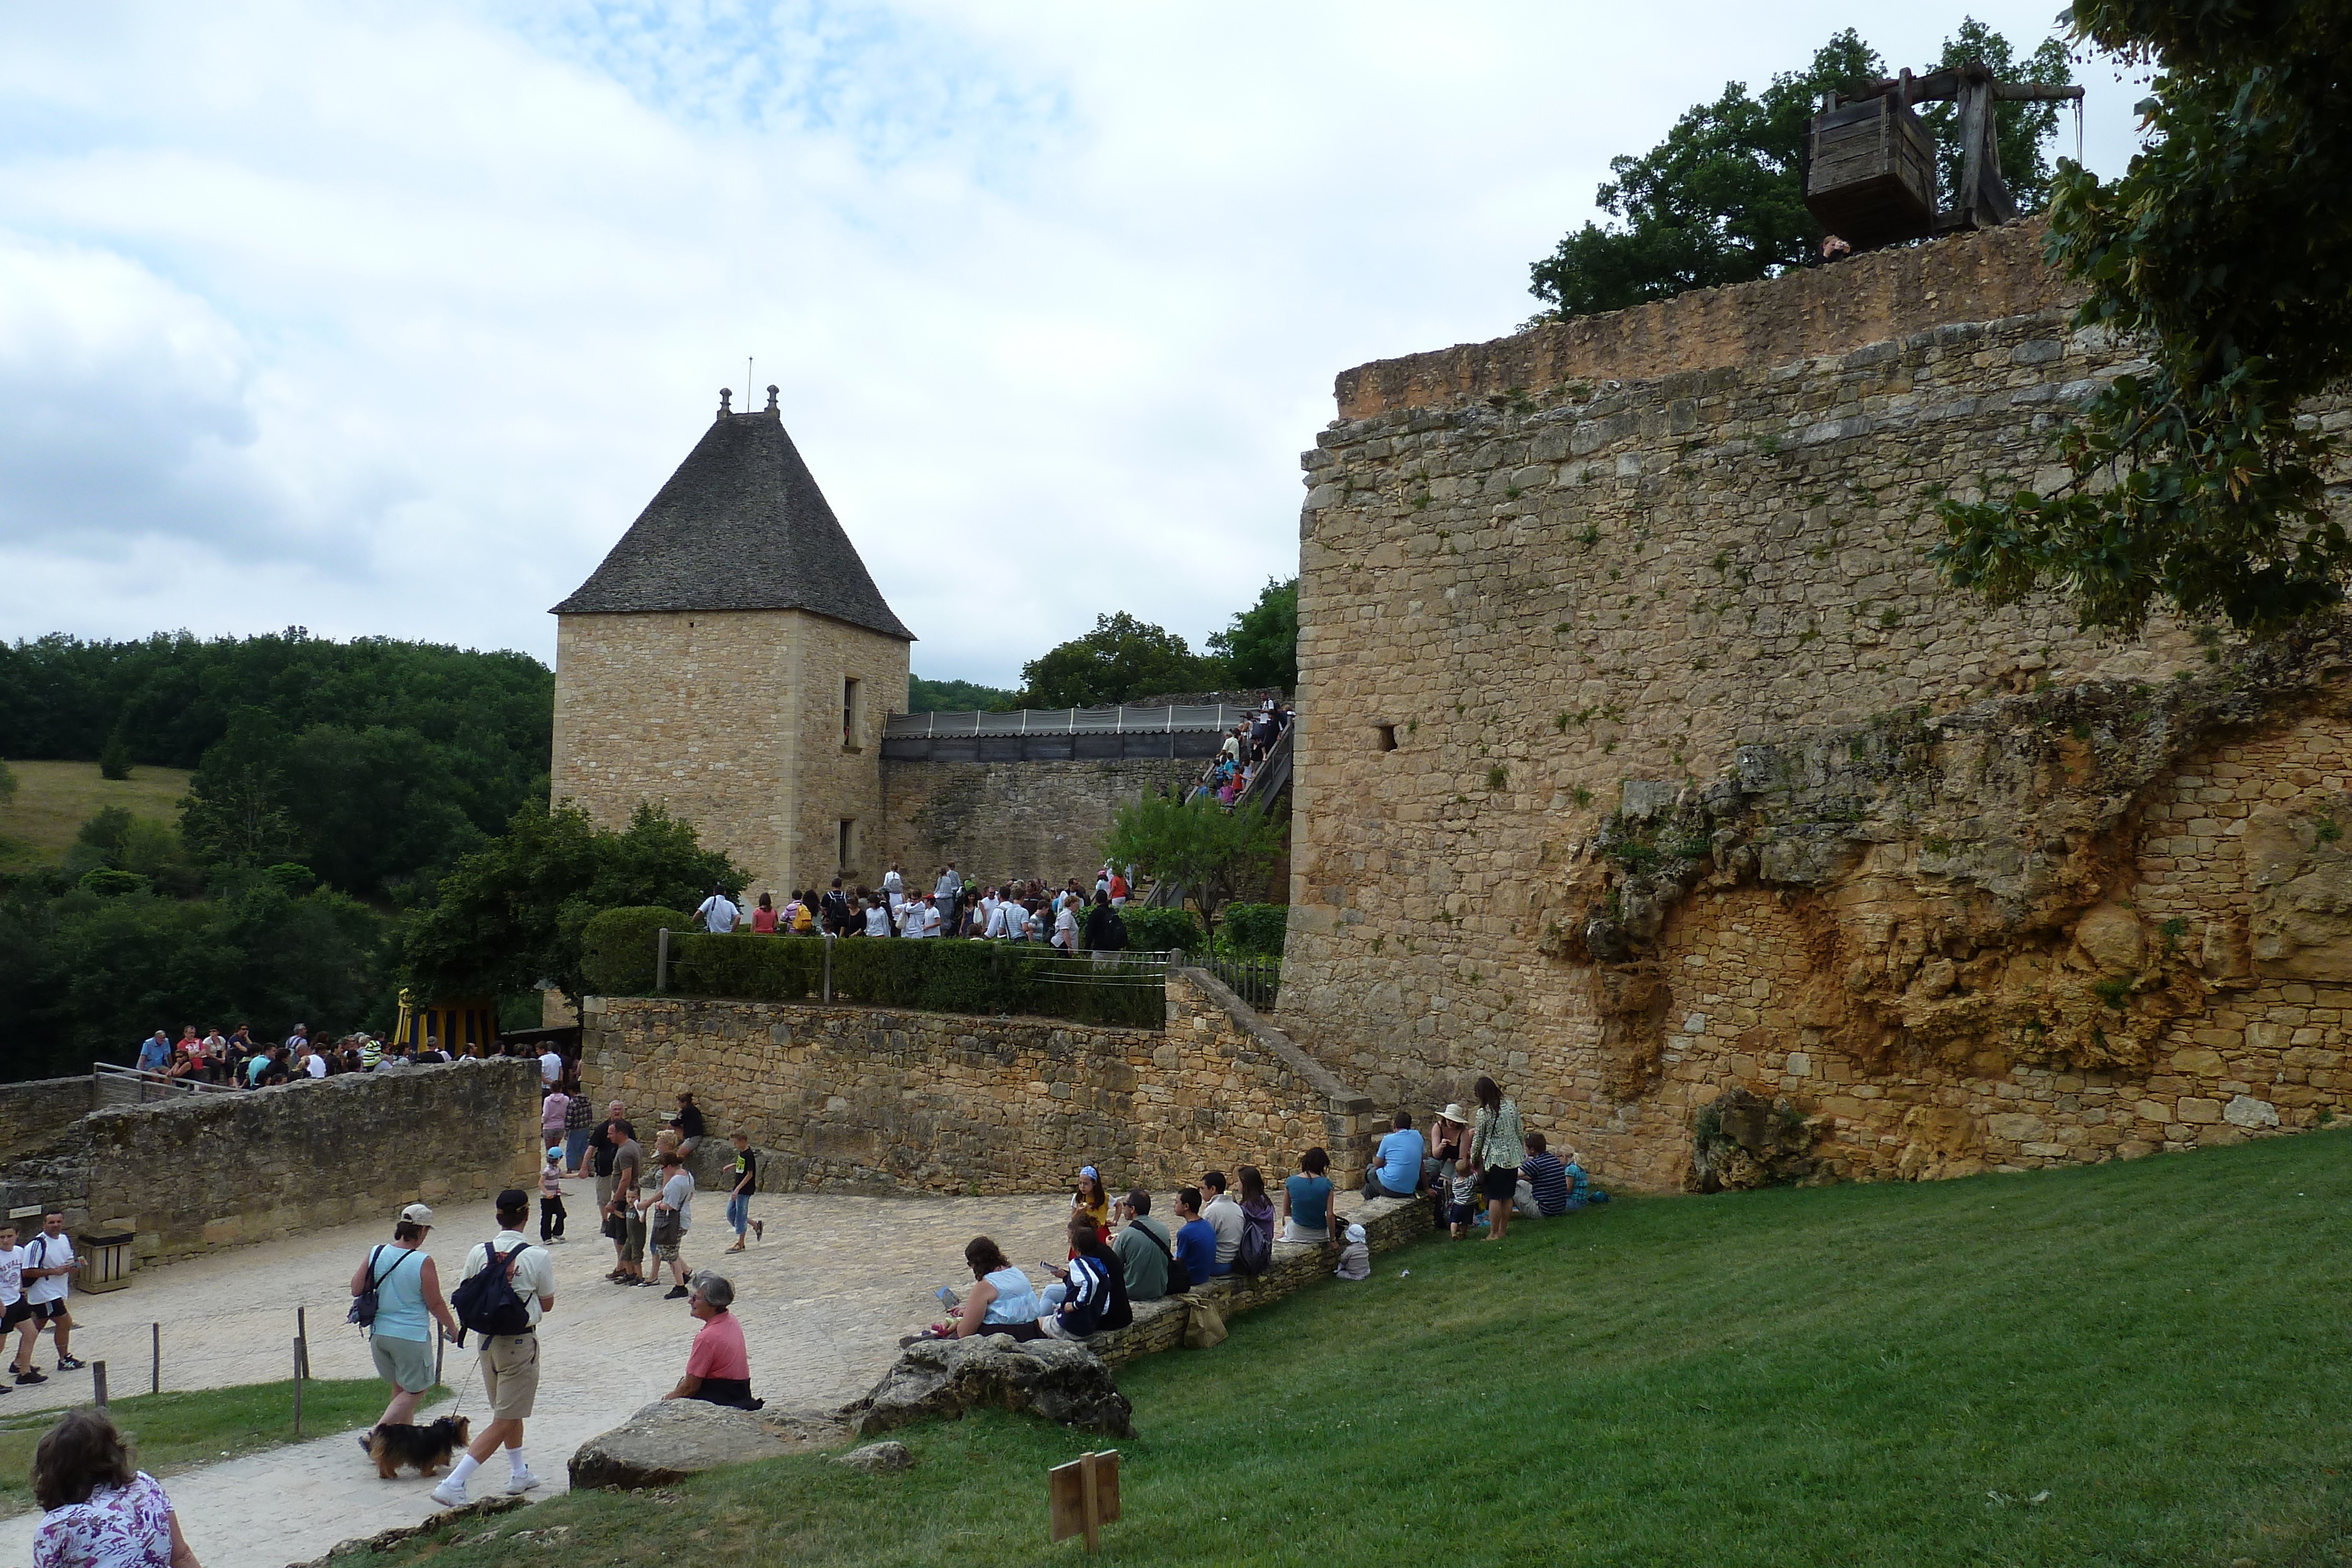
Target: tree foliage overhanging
1123, 658
2226, 248
1721, 200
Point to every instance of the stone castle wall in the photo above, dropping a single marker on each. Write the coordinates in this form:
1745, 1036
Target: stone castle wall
733, 718
190, 1174
35, 1111
869, 1098
1523, 612
1002, 820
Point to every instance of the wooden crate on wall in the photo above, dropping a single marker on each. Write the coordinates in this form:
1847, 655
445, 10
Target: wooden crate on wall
1871, 177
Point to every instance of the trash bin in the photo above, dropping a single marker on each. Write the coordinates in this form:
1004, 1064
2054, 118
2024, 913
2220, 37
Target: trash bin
107, 1256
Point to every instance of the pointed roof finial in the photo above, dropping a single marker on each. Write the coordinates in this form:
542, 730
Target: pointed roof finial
726, 395
771, 397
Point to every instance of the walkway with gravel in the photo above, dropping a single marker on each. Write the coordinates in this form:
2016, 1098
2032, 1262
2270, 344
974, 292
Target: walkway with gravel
823, 1298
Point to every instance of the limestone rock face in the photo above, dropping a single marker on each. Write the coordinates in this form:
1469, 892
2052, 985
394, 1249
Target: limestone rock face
670, 1439
1743, 1140
944, 1379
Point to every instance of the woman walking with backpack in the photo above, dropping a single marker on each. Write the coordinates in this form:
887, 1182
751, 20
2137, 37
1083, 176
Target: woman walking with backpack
397, 1297
1498, 1148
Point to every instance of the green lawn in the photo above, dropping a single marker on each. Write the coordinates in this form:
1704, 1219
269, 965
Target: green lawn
174, 1431
53, 800
2134, 1363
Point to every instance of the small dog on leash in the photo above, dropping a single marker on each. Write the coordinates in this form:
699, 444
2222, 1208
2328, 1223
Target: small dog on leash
427, 1449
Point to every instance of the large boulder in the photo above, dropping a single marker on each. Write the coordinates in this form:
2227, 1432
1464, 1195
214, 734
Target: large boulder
945, 1377
671, 1439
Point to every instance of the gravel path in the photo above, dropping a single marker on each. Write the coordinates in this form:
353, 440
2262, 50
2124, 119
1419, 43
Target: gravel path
823, 1298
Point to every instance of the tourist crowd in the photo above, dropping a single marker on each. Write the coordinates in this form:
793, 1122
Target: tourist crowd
238, 1061
1235, 768
1074, 918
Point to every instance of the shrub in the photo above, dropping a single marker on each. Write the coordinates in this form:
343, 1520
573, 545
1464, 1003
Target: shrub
109, 883
1151, 930
617, 948
114, 759
1253, 930
945, 975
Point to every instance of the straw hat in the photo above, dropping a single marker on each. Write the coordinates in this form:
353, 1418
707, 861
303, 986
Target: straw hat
1454, 1112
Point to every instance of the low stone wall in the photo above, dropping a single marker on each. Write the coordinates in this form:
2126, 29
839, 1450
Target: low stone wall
999, 820
1389, 1223
192, 1175
842, 1097
34, 1111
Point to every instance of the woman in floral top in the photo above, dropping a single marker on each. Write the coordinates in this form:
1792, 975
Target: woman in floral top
1498, 1147
101, 1512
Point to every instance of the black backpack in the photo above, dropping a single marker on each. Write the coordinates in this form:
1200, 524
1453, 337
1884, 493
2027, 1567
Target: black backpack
1255, 1253
486, 1302
1180, 1278
363, 1305
1117, 933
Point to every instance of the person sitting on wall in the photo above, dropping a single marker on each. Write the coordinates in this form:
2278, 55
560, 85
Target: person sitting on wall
1090, 1297
1144, 1249
719, 1367
1306, 1210
1395, 1168
1196, 1239
1001, 1301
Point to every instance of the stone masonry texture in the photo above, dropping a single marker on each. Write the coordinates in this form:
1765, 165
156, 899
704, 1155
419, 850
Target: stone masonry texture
1536, 604
191, 1175
871, 1098
34, 1111
1002, 820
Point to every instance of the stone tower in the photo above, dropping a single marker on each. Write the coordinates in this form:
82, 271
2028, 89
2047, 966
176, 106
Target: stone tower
732, 660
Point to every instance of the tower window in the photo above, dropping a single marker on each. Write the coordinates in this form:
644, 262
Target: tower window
853, 711
848, 844
1384, 738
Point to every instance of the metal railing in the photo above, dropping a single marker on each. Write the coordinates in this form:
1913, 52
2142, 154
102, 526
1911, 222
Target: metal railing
1257, 981
1047, 964
1066, 721
112, 1085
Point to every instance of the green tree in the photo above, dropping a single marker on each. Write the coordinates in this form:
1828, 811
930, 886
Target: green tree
2225, 250
1213, 853
235, 812
1261, 647
957, 697
1121, 658
114, 758
2021, 131
1721, 200
510, 914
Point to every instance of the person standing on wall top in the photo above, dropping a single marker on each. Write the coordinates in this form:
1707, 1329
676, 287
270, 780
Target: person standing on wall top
717, 913
1498, 1149
510, 1348
1395, 1168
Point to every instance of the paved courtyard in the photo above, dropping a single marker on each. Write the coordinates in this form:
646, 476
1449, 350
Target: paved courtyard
823, 1300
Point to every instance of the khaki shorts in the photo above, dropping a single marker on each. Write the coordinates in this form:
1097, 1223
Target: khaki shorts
405, 1364
511, 1373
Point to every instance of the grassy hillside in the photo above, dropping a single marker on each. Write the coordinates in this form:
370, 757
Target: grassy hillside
2128, 1365
55, 798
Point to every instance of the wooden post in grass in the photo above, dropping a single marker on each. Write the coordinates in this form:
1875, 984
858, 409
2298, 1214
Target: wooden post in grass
155, 1340
302, 1365
98, 1383
1083, 1496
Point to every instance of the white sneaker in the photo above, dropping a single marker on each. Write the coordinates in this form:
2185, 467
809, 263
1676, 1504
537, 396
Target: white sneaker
521, 1483
449, 1494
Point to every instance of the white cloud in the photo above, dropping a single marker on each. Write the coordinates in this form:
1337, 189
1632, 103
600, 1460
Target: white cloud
391, 319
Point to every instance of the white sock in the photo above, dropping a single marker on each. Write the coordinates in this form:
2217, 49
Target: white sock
465, 1466
514, 1465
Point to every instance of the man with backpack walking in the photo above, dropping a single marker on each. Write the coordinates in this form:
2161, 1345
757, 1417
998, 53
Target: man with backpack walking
508, 1282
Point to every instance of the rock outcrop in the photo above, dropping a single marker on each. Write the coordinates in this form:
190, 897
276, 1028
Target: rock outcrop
943, 1378
877, 1459
670, 1439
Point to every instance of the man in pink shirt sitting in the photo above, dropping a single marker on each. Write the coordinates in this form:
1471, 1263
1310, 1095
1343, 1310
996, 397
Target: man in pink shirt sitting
718, 1367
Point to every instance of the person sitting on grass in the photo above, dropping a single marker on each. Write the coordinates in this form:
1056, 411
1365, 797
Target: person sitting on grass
1001, 1301
718, 1367
1196, 1239
1548, 1179
1090, 1296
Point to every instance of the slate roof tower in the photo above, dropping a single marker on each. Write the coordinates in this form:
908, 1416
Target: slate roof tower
733, 659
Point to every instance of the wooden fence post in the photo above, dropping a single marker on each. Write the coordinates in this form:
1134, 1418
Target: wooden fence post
98, 1383
155, 1339
661, 960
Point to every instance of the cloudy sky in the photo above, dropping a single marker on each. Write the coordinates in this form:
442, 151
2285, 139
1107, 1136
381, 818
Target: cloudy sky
389, 318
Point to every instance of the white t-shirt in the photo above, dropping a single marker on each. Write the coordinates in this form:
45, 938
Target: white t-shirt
878, 922
316, 1066
931, 919
717, 913
1066, 930
678, 1193
1226, 1218
12, 1276
550, 1068
47, 1251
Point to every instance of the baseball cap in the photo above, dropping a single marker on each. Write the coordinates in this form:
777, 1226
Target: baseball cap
512, 1198
416, 1214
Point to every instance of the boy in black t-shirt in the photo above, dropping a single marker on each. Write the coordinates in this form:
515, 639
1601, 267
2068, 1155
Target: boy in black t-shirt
745, 1168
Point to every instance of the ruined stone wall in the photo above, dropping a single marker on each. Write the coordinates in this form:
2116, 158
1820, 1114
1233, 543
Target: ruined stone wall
39, 1109
1516, 610
1002, 820
733, 719
873, 1097
190, 1174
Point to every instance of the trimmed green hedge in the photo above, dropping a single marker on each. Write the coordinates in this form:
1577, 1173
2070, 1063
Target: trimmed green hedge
617, 948
1253, 930
942, 975
1161, 930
